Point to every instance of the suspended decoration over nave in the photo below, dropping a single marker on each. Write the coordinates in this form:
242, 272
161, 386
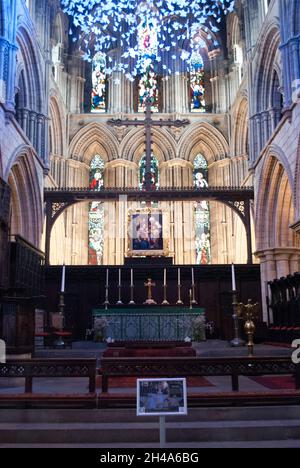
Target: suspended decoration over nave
104, 27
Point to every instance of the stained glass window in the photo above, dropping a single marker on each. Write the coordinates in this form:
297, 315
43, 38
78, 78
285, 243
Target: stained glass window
98, 96
197, 88
148, 84
96, 214
202, 214
154, 173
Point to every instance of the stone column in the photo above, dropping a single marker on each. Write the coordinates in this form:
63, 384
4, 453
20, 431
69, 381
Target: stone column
282, 263
40, 121
294, 263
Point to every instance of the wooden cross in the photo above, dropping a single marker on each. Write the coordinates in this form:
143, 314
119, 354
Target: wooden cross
148, 123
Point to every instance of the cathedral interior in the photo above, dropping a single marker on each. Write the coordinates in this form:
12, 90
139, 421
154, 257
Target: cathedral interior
172, 164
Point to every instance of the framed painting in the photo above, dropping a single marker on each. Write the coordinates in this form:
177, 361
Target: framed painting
146, 233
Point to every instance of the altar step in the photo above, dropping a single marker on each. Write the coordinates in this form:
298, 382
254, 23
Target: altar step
237, 426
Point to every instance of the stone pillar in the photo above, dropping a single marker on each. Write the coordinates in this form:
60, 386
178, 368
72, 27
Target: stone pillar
282, 264
32, 127
294, 263
40, 121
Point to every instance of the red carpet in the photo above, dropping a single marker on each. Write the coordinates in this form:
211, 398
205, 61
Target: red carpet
276, 383
277, 344
130, 382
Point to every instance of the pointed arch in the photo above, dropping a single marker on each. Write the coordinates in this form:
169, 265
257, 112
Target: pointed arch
56, 127
93, 134
203, 138
32, 70
241, 129
27, 210
268, 64
133, 145
275, 210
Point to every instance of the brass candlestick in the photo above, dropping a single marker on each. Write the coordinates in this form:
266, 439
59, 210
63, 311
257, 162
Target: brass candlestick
106, 302
131, 295
249, 312
179, 302
61, 309
165, 301
120, 295
194, 302
59, 343
237, 341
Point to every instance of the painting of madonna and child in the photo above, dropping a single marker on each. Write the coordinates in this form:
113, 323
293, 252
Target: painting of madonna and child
161, 397
146, 233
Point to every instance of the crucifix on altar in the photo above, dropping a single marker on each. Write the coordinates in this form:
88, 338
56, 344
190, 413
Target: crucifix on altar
149, 285
148, 123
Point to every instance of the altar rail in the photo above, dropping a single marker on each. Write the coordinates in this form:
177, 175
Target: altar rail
142, 367
49, 368
200, 367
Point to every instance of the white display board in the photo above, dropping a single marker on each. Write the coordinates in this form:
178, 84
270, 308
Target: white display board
161, 397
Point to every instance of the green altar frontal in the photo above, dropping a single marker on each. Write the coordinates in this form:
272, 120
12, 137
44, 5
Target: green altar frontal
150, 323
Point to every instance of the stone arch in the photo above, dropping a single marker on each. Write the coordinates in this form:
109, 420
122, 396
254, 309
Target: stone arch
274, 206
27, 210
32, 70
203, 138
93, 134
233, 28
268, 64
133, 145
58, 44
58, 28
241, 129
56, 128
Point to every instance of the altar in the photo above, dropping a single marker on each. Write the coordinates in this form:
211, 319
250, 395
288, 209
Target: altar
150, 323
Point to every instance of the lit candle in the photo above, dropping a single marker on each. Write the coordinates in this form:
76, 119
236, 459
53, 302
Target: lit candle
107, 273
178, 276
193, 277
233, 278
63, 279
120, 278
131, 277
165, 277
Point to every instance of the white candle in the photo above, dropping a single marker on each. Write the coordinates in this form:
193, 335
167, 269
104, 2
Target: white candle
131, 277
63, 279
233, 278
107, 273
193, 277
165, 277
120, 278
178, 276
